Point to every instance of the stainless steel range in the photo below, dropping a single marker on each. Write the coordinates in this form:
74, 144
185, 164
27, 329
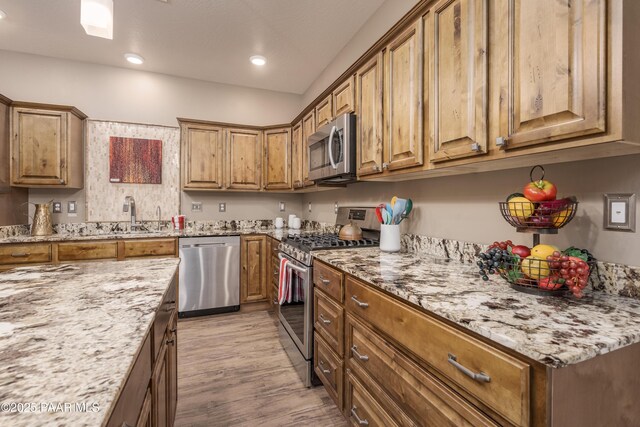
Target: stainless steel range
296, 317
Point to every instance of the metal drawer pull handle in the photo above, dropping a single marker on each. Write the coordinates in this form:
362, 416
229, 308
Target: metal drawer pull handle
325, 321
479, 376
360, 304
20, 254
324, 371
324, 281
361, 422
354, 350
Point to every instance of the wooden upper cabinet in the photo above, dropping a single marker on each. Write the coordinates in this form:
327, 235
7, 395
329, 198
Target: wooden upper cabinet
324, 111
458, 107
403, 77
244, 159
47, 146
308, 129
253, 262
556, 80
202, 153
296, 155
344, 97
369, 129
277, 159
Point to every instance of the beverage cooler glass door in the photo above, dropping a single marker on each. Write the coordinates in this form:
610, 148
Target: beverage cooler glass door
296, 312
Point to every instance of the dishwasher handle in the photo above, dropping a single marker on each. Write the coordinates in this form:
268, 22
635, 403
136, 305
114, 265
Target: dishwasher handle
207, 245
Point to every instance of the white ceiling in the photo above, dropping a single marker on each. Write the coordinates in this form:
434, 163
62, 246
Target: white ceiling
203, 39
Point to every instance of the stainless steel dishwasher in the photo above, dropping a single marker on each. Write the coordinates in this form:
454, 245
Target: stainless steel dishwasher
209, 275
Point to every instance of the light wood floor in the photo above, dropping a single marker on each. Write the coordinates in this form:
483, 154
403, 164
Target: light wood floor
232, 371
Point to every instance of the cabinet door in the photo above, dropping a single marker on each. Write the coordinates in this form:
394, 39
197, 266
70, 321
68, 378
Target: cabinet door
39, 147
172, 369
344, 97
202, 152
369, 129
146, 418
308, 128
253, 277
277, 159
458, 80
403, 140
244, 159
556, 75
324, 111
159, 382
296, 155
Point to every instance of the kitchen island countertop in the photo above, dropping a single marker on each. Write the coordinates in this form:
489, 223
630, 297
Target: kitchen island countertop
69, 335
556, 331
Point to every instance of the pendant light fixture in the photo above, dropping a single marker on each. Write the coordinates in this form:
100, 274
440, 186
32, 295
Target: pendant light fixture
96, 17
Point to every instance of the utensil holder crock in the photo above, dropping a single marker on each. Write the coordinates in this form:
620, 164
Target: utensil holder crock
390, 237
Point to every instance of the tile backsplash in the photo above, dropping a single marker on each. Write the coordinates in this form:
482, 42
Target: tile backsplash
104, 199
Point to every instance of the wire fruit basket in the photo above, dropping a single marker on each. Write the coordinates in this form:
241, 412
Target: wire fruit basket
542, 217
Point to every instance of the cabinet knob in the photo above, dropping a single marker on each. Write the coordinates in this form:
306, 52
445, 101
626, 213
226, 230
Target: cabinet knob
62, 181
171, 341
376, 168
501, 141
385, 166
476, 147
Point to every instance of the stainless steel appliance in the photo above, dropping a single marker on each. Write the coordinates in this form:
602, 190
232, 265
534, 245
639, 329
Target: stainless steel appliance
296, 317
209, 275
332, 151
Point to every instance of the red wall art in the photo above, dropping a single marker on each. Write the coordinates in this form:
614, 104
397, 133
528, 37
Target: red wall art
135, 160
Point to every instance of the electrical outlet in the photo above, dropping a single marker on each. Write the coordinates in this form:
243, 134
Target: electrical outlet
282, 206
222, 207
335, 208
72, 207
196, 206
57, 207
309, 208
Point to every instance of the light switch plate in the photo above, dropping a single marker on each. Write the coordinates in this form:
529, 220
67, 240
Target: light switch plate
620, 212
72, 207
196, 206
309, 208
222, 207
335, 208
282, 206
57, 207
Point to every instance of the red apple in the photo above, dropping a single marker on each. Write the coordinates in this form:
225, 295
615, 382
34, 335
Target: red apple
521, 250
540, 191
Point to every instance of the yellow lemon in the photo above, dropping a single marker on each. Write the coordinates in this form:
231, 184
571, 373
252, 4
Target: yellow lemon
520, 207
535, 268
543, 251
560, 218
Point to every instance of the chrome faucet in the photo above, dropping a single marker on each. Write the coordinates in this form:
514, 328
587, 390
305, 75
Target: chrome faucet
129, 202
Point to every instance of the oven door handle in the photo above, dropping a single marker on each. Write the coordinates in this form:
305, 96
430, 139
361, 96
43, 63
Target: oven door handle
333, 162
302, 270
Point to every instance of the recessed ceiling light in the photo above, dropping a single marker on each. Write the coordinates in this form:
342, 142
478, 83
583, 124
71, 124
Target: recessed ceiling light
133, 58
2, 14
258, 60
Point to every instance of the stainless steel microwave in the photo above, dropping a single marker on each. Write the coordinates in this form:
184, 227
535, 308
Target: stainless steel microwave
332, 151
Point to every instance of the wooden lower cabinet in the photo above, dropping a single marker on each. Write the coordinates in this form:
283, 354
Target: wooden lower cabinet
253, 268
149, 396
386, 363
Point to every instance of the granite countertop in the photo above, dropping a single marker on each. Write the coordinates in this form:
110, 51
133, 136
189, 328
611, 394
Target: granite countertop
555, 331
62, 237
69, 334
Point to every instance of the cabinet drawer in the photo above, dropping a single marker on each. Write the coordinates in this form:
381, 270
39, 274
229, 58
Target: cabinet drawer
423, 397
328, 280
141, 248
507, 391
25, 254
362, 409
328, 367
87, 251
163, 316
329, 321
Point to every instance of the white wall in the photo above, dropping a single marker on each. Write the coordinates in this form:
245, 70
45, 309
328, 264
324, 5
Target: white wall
121, 94
380, 22
465, 207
